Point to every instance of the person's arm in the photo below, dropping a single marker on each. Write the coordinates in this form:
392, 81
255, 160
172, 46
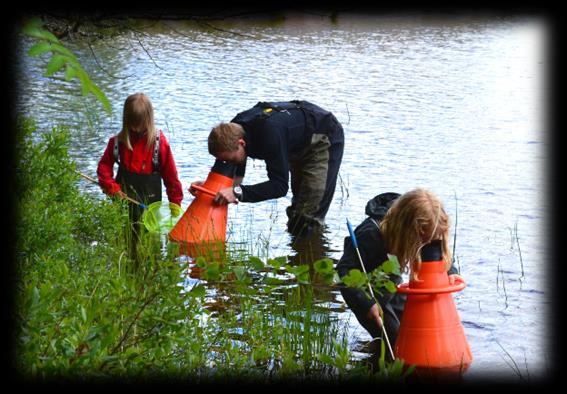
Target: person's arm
274, 149
375, 314
105, 170
368, 245
240, 170
452, 270
237, 180
168, 171
275, 187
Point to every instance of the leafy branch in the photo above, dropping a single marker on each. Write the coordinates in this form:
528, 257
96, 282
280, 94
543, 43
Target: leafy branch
378, 278
61, 58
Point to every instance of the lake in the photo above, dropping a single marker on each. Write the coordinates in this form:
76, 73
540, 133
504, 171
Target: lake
454, 104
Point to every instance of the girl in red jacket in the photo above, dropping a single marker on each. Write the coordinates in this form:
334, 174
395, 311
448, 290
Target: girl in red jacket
144, 158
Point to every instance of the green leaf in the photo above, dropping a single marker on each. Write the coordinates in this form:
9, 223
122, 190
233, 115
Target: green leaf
256, 263
355, 278
110, 358
84, 314
392, 265
301, 272
240, 273
101, 97
33, 28
212, 272
329, 278
39, 49
32, 23
324, 266
297, 270
70, 73
56, 62
390, 286
85, 81
131, 354
62, 50
201, 262
34, 297
47, 35
197, 291
278, 262
326, 359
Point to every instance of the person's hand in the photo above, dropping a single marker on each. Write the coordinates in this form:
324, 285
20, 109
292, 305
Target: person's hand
453, 278
375, 314
121, 194
225, 196
194, 191
175, 210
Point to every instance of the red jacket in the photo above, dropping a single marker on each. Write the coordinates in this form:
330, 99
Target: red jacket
139, 160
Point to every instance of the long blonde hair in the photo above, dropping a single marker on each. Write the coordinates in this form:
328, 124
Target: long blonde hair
415, 219
138, 113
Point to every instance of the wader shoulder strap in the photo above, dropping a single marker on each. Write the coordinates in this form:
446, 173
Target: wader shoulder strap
155, 158
116, 153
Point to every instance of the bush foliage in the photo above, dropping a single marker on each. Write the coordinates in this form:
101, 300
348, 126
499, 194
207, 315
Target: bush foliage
83, 313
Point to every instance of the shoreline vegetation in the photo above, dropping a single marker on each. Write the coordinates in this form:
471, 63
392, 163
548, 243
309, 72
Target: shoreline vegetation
83, 313
85, 310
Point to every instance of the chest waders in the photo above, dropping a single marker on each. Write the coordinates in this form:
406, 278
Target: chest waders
145, 188
314, 169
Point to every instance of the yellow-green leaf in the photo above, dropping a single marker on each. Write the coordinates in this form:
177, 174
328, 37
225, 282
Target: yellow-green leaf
83, 314
39, 49
55, 64
101, 97
70, 73
62, 50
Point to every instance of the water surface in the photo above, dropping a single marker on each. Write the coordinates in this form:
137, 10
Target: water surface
452, 104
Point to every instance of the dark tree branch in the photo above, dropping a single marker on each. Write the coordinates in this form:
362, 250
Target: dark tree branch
102, 68
147, 53
209, 25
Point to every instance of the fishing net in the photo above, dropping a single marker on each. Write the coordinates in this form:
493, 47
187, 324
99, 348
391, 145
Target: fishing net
160, 217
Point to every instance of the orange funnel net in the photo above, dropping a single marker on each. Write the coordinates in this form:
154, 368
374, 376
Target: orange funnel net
201, 231
431, 335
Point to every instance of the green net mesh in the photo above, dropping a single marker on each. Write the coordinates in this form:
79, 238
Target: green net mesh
160, 217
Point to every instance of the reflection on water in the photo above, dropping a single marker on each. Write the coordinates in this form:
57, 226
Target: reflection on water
310, 247
453, 104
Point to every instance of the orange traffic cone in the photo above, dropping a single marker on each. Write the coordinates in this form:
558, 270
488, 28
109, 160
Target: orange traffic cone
431, 335
201, 231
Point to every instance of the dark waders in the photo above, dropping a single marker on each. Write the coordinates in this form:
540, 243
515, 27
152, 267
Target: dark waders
314, 169
145, 188
393, 311
314, 173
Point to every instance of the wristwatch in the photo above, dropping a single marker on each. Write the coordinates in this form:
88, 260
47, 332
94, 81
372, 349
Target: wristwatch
237, 190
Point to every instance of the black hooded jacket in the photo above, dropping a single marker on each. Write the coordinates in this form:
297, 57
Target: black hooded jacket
373, 252
276, 130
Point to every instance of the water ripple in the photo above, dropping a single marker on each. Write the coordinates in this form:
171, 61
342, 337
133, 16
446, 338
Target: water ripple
451, 105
